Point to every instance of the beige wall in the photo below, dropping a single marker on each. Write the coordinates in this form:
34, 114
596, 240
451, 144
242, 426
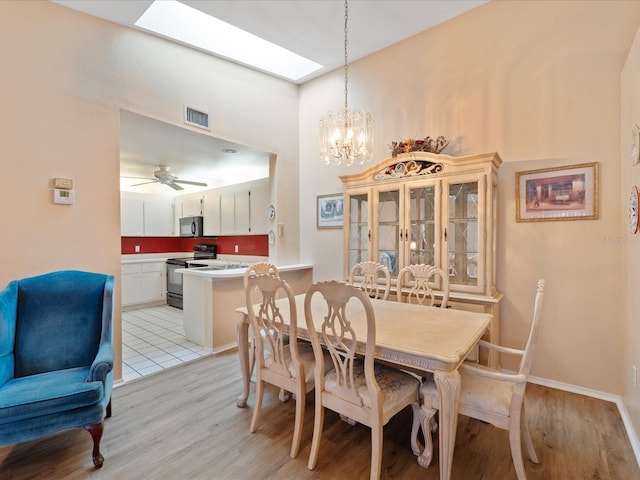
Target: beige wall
630, 245
64, 78
538, 82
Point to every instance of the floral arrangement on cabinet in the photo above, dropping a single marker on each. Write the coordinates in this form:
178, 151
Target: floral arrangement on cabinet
427, 144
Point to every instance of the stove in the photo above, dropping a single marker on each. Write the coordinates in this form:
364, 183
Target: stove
202, 251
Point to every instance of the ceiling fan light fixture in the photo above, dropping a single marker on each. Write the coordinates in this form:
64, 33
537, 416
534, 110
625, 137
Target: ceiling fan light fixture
346, 137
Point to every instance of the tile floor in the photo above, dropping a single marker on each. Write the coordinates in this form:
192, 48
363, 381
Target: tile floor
153, 340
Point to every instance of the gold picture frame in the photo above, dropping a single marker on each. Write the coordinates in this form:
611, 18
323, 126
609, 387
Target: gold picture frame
560, 193
330, 211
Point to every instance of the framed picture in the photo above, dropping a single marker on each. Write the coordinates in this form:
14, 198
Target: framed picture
561, 193
330, 211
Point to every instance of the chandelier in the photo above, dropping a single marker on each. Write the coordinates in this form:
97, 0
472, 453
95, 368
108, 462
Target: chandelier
346, 136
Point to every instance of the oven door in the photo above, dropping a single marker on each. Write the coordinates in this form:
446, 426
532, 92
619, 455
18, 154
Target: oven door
174, 285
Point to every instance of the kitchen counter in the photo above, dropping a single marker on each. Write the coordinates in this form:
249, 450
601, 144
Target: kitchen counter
211, 297
214, 272
152, 257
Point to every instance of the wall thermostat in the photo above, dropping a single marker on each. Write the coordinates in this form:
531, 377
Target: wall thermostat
62, 197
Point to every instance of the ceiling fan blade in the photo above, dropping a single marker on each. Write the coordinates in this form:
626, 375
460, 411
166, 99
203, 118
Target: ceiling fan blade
188, 182
144, 183
174, 186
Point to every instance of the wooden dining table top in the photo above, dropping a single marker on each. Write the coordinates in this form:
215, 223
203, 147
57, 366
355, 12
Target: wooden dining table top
421, 337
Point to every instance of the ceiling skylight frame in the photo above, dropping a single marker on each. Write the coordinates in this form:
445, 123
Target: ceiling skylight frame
187, 25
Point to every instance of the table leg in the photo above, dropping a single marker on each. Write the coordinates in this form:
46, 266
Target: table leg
449, 388
242, 336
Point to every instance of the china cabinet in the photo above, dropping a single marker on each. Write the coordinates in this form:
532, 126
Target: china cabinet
428, 208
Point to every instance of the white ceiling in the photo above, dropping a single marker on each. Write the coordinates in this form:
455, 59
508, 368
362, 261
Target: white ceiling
146, 143
311, 28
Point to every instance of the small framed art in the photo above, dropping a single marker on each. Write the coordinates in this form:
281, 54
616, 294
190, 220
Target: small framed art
330, 211
561, 193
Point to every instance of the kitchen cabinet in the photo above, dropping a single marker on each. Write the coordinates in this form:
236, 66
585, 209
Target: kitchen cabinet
211, 212
143, 283
427, 208
259, 208
131, 217
243, 209
158, 217
146, 216
190, 205
228, 213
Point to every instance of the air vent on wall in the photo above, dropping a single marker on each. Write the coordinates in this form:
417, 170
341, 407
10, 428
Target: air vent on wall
196, 118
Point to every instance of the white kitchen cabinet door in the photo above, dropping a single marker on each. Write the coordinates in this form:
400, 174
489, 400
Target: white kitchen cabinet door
259, 209
242, 213
158, 217
227, 213
191, 205
131, 217
211, 213
152, 284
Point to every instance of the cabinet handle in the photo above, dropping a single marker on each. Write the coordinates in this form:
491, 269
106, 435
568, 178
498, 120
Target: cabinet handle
369, 235
445, 234
406, 234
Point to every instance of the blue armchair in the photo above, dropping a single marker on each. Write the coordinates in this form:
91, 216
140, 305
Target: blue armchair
56, 356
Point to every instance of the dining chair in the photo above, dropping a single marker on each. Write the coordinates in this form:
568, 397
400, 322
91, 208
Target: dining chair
355, 387
371, 277
489, 396
414, 285
281, 360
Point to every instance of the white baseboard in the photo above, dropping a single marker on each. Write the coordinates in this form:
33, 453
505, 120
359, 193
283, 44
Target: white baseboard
609, 397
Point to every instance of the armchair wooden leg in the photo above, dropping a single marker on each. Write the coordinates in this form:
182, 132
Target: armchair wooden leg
96, 434
109, 409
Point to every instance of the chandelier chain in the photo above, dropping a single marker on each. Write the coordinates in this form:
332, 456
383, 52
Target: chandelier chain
346, 58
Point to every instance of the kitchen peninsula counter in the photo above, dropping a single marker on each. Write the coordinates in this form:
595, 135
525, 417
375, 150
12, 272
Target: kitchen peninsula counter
212, 295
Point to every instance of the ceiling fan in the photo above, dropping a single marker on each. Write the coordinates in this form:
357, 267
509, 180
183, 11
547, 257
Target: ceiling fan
163, 176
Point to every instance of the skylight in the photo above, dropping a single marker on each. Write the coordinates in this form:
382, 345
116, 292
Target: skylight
172, 19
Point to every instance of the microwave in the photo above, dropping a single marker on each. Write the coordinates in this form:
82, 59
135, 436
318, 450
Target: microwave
191, 227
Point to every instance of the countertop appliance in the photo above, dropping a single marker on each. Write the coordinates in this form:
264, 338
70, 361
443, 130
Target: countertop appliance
191, 227
202, 251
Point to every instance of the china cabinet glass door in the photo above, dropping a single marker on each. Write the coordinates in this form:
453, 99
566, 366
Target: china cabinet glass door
463, 236
388, 234
359, 228
422, 232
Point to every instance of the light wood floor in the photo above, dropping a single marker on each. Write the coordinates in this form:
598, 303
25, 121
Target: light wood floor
184, 424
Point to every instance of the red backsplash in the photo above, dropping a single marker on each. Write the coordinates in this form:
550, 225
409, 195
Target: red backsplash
247, 244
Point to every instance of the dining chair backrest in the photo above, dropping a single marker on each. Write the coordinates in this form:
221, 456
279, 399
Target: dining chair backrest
527, 358
340, 339
414, 285
373, 278
260, 268
267, 320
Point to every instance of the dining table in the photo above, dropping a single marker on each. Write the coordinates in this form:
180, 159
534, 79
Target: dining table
414, 337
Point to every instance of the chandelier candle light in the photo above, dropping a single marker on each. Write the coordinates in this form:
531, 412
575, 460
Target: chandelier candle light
346, 137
